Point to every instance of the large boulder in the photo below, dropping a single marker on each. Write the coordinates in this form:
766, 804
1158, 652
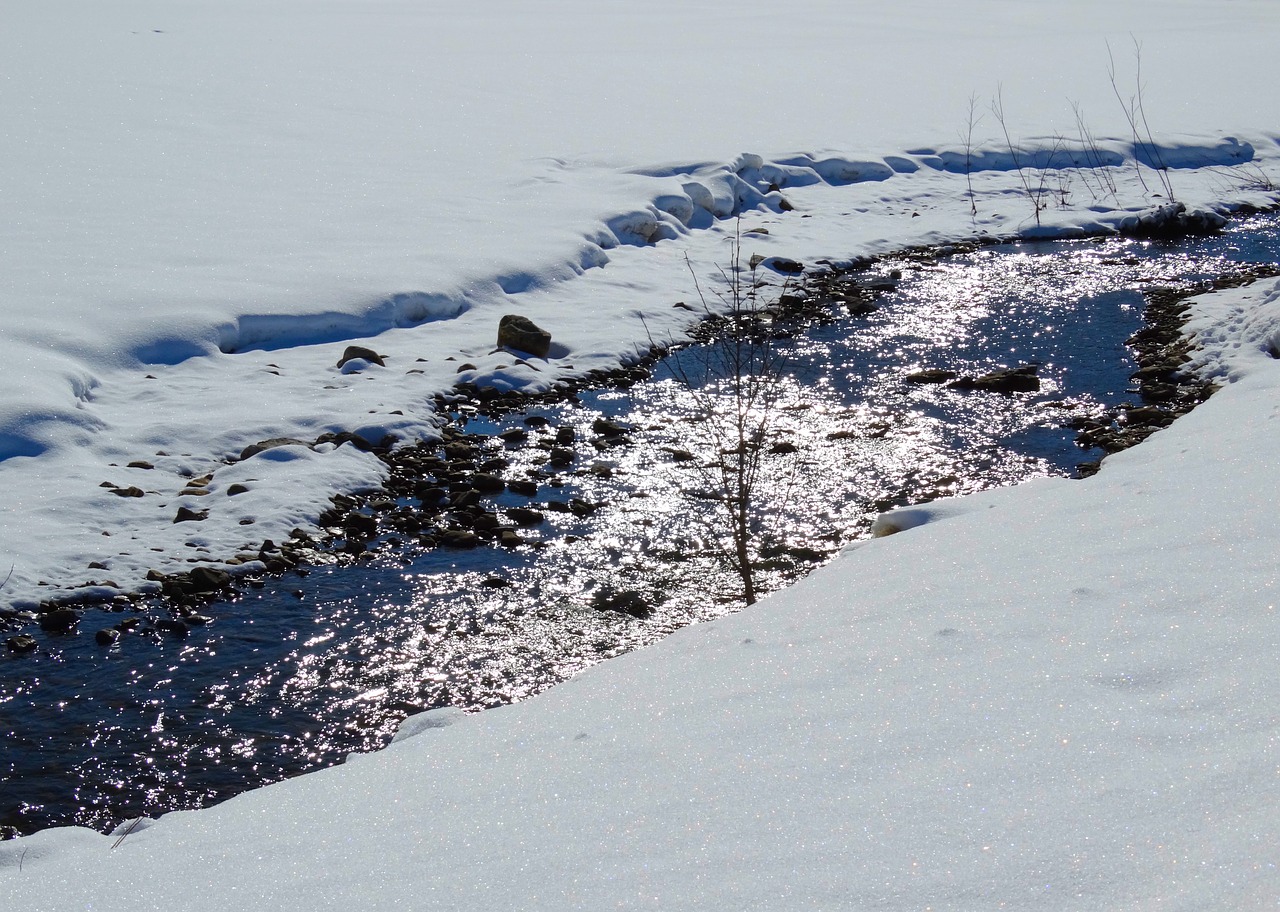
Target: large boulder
208, 579
522, 334
361, 353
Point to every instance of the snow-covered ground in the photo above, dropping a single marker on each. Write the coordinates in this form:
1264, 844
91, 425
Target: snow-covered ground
1055, 697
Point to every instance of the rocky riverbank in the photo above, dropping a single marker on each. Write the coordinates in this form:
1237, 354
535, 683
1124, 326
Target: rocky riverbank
443, 493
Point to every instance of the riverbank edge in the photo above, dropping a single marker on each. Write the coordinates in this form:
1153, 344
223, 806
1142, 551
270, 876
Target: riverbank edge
350, 530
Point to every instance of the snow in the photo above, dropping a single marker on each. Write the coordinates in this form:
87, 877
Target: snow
1056, 696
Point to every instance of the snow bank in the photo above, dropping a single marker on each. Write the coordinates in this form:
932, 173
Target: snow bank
1060, 699
206, 203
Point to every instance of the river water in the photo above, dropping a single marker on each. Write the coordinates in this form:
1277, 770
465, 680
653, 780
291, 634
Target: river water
298, 672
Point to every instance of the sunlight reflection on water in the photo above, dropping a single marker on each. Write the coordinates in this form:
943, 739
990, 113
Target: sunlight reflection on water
301, 672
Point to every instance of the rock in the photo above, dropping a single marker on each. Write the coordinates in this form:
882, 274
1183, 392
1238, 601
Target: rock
561, 456
348, 437
931, 375
487, 484
581, 508
237, 488
566, 435
1013, 380
140, 464
430, 495
523, 488
808, 555
522, 334
107, 636
360, 527
21, 643
784, 265
1150, 416
463, 499
208, 579
174, 626
606, 428
1172, 221
510, 538
59, 620
859, 305
514, 436
359, 352
186, 514
459, 451
524, 516
1158, 372
271, 443
460, 538
131, 491
485, 522
627, 602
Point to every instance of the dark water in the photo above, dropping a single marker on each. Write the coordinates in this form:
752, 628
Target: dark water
298, 673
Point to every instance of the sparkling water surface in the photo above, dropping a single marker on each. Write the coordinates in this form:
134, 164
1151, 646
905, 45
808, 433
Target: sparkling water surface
299, 673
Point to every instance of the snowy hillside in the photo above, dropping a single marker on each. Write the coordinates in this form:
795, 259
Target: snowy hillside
1058, 696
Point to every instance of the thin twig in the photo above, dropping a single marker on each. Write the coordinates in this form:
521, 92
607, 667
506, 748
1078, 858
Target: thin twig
129, 829
1135, 113
997, 108
967, 138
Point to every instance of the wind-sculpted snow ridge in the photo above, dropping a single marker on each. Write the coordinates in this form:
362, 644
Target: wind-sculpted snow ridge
271, 332
713, 192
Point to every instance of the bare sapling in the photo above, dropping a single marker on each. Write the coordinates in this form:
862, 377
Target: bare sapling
1034, 196
735, 388
1096, 175
966, 139
1055, 180
1135, 113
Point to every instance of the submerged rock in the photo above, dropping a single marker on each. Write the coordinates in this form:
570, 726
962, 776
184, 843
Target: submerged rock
1013, 380
931, 375
627, 602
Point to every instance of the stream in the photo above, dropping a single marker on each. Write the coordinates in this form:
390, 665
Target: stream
618, 537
